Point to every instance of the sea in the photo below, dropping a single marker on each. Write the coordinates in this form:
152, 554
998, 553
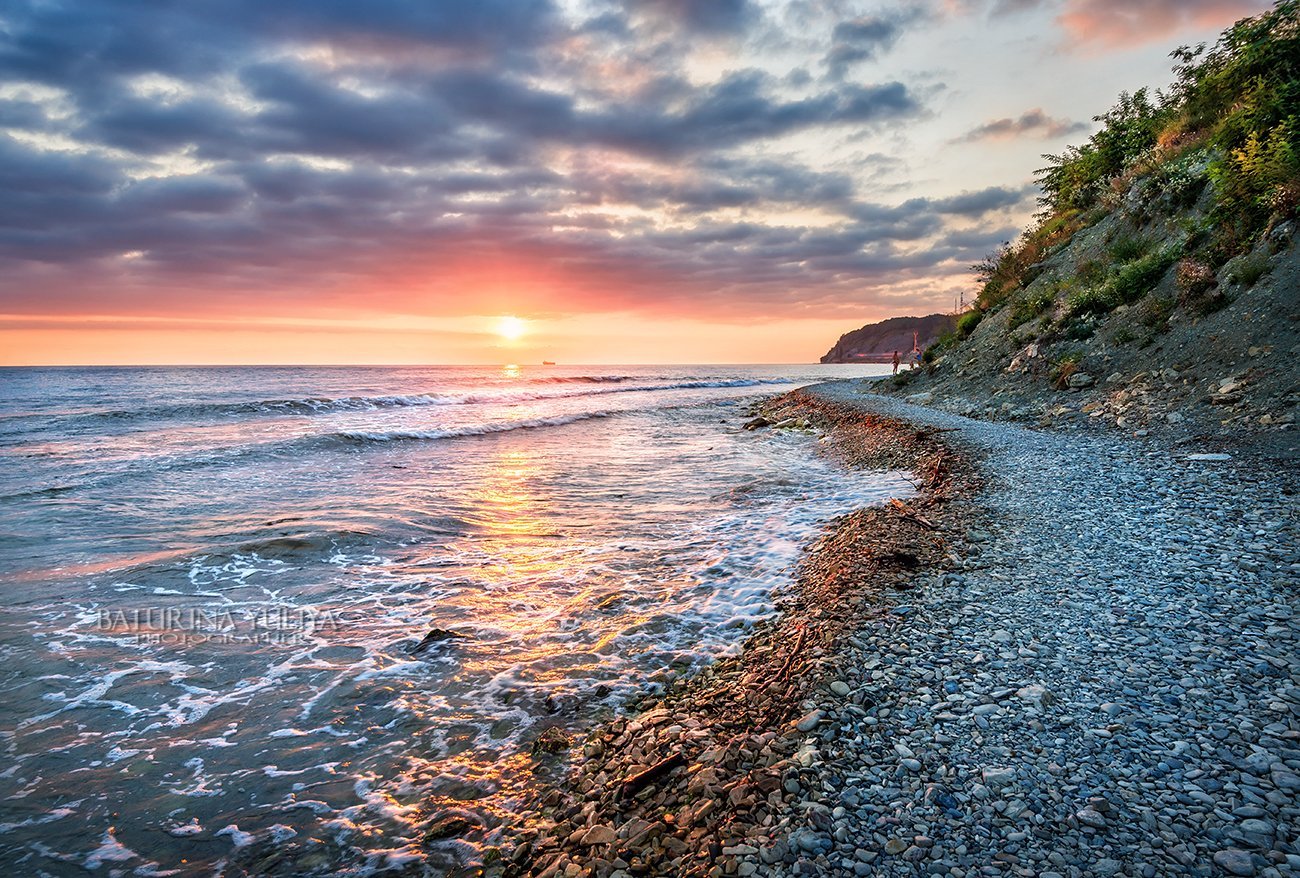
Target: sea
283, 620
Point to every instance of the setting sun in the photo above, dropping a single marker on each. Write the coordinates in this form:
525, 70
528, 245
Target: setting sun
511, 328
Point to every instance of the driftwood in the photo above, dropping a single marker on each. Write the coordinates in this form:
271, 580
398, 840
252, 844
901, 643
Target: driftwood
637, 782
911, 514
794, 652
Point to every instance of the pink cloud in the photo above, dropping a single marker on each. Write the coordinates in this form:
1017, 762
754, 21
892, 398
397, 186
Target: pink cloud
1122, 23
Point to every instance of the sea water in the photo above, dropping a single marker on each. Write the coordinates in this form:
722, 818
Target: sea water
216, 581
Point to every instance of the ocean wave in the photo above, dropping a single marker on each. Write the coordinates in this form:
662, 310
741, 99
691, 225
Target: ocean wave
590, 385
363, 437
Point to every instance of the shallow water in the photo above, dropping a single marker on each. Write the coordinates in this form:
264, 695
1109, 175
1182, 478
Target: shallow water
216, 579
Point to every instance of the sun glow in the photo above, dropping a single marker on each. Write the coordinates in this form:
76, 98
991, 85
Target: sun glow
511, 328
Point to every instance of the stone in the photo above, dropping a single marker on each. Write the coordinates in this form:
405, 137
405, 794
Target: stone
1079, 380
1037, 694
895, 846
810, 721
599, 834
998, 777
1089, 817
840, 688
1234, 862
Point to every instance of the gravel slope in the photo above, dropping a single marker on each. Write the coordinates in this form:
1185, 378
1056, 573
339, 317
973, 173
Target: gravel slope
1108, 683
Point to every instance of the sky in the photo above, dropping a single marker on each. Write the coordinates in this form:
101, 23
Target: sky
638, 181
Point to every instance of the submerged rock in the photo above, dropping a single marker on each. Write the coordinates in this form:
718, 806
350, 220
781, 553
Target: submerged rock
435, 635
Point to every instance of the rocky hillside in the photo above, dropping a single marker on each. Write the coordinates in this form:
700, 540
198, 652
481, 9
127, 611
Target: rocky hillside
876, 342
1160, 286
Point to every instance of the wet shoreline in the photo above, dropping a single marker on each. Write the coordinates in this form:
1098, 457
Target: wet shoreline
698, 777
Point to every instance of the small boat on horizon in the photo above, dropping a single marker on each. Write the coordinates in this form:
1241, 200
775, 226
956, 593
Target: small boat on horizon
548, 363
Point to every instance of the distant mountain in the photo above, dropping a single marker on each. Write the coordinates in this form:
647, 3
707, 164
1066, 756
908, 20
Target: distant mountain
877, 342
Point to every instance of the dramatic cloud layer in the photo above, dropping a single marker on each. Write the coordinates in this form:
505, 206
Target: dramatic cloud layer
703, 159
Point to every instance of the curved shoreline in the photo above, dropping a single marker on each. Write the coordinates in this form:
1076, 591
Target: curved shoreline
696, 780
1103, 680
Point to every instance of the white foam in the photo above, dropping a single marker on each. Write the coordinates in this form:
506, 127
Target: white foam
193, 827
110, 850
238, 837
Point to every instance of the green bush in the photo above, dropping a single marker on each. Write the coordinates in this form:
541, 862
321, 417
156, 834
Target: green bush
1125, 285
1027, 308
1127, 247
1250, 269
967, 322
1240, 100
1091, 300
1156, 311
1133, 281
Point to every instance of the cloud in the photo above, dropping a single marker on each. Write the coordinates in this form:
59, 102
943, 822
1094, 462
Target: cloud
196, 160
703, 16
1121, 23
1031, 123
864, 39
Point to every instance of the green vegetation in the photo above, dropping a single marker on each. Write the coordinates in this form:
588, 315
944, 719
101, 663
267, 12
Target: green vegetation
1011, 268
967, 322
1230, 119
1249, 270
1126, 284
1127, 247
1237, 104
1026, 308
941, 344
1063, 367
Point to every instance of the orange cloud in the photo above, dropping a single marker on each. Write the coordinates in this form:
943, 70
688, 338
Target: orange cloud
1124, 23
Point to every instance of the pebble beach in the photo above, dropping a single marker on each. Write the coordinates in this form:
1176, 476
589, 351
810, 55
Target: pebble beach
1073, 654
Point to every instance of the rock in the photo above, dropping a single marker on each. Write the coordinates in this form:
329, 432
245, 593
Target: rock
1036, 693
911, 765
1234, 862
1089, 817
1209, 457
840, 688
758, 422
807, 840
551, 740
1079, 380
599, 835
810, 721
448, 827
895, 846
998, 777
435, 635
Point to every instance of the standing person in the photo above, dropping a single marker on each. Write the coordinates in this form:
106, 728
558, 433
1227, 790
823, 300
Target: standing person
895, 362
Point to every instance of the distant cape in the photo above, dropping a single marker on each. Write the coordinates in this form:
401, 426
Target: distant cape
876, 342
